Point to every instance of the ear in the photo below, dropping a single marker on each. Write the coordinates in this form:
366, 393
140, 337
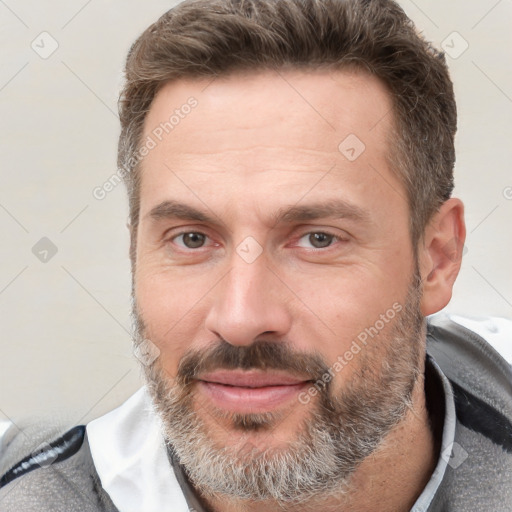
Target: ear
440, 255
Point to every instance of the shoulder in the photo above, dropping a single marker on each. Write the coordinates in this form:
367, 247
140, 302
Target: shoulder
60, 476
481, 378
479, 468
481, 381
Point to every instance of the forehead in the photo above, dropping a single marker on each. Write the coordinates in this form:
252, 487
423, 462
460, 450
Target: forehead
267, 128
333, 102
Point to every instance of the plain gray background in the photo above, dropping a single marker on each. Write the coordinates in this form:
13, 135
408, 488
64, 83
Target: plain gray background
66, 348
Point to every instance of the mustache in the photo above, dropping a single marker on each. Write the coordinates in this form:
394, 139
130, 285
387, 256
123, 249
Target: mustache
260, 355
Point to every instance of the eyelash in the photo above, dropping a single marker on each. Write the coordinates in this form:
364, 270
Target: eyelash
336, 238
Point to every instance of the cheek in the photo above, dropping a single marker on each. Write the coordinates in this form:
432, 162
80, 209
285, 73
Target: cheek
173, 314
352, 312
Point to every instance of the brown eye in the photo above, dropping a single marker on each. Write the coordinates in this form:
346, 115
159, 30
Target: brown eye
192, 240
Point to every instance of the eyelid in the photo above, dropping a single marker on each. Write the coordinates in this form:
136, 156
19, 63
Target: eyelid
170, 238
171, 233
336, 237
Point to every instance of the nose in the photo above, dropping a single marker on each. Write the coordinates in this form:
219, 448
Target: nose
249, 303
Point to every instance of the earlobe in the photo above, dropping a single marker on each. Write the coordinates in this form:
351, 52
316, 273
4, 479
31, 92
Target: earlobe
441, 255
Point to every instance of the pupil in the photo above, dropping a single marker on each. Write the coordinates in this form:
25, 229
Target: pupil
193, 240
320, 239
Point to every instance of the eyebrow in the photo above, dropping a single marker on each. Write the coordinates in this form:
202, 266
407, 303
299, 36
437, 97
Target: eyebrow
175, 210
337, 208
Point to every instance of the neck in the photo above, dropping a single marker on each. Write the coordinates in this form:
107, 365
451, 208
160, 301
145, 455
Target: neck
390, 480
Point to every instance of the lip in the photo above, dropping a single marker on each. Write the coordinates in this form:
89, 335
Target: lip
250, 391
251, 378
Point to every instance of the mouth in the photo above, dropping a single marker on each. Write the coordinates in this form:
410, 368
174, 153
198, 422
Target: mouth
250, 391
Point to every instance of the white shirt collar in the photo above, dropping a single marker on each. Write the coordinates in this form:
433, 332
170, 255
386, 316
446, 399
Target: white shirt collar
130, 456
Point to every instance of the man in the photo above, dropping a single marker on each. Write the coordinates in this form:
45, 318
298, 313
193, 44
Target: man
289, 167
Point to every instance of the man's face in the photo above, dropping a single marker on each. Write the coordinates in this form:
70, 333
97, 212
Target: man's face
297, 257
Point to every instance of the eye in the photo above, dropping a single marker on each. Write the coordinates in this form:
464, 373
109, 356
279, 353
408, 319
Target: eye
190, 240
318, 240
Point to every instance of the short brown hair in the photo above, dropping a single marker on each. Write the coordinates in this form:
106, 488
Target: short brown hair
206, 38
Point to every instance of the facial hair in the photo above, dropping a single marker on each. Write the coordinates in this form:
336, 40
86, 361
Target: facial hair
341, 430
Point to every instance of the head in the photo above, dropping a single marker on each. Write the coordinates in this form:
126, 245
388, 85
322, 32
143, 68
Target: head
289, 167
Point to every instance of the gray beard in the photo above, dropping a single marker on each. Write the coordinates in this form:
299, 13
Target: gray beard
340, 432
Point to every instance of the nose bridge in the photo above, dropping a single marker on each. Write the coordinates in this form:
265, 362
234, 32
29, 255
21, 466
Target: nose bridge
245, 284
245, 304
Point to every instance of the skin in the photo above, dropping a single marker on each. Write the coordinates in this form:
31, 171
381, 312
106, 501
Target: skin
255, 144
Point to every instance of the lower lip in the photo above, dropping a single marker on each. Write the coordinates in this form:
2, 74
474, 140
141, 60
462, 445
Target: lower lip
241, 399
